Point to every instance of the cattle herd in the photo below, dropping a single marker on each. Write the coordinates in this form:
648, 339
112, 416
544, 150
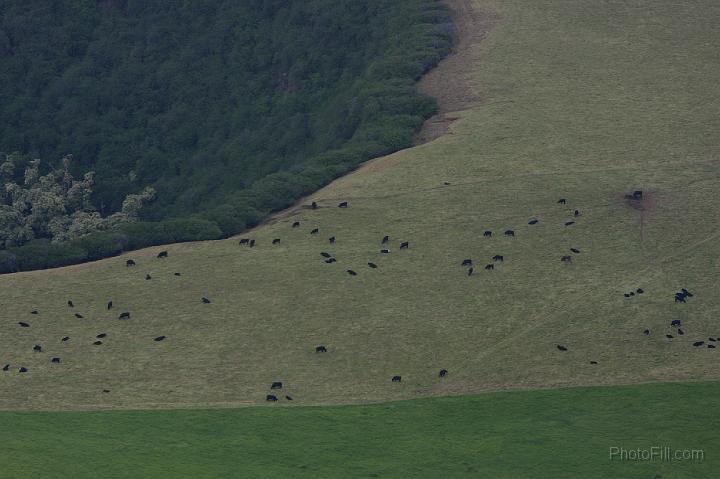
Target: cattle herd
384, 243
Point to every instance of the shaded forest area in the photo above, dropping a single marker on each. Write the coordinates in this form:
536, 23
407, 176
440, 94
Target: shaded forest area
229, 110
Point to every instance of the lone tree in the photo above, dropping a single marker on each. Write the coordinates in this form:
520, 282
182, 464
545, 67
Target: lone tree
56, 205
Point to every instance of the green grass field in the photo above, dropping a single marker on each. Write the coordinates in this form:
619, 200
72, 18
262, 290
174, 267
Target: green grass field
585, 100
564, 433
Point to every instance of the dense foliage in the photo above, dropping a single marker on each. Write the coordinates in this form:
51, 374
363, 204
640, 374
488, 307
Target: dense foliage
228, 109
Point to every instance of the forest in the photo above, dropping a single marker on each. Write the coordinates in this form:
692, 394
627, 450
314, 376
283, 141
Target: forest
228, 110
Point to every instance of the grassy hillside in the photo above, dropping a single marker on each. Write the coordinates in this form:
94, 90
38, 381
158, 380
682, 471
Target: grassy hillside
558, 434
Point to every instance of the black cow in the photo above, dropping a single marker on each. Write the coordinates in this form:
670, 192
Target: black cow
325, 254
576, 213
244, 241
101, 335
698, 343
97, 343
205, 300
385, 251
22, 370
148, 277
626, 295
405, 245
23, 324
470, 271
533, 222
466, 262
562, 201
686, 293
680, 332
680, 298
79, 316
372, 265
631, 293
561, 348
385, 239
566, 259
109, 305
711, 346
129, 263
276, 385
330, 260
320, 349
159, 338
70, 303
344, 204
162, 254
712, 339
351, 272
498, 257
276, 241
639, 291
106, 391
270, 398
509, 233
396, 379
313, 205
289, 398
637, 194
487, 233
575, 250
315, 231
252, 243
669, 336
675, 322
443, 373
65, 338
489, 266
646, 332
568, 223
296, 224
37, 348
34, 311
55, 360
125, 315
331, 239
6, 367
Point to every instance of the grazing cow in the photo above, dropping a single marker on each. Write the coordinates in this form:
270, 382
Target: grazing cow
466, 262
675, 322
315, 231
79, 316
205, 300
159, 338
125, 315
325, 254
65, 338
509, 233
34, 311
276, 241
632, 293
271, 398
385, 239
680, 332
396, 379
162, 254
593, 362
575, 250
470, 271
711, 346
101, 335
331, 260
669, 336
489, 266
637, 194
296, 224
498, 257
566, 259
372, 265
344, 204
22, 370
680, 298
313, 205
646, 332
576, 213
698, 343
289, 398
321, 349
23, 324
109, 305
331, 239
70, 303
244, 241
405, 245
686, 293
351, 272
487, 234
561, 348
533, 222
626, 295
446, 183
252, 243
443, 373
6, 367
129, 263
276, 385
562, 201
37, 348
55, 360
639, 291
568, 223
105, 391
712, 339
148, 277
385, 251
97, 343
